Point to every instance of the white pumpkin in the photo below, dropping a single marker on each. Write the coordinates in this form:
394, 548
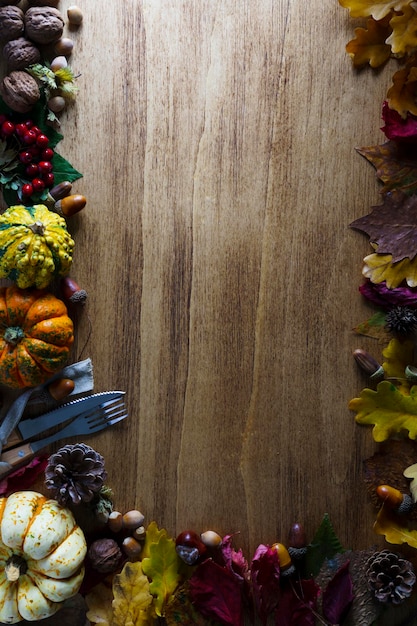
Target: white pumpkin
42, 552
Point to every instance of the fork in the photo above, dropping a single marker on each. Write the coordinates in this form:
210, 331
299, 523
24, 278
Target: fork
87, 423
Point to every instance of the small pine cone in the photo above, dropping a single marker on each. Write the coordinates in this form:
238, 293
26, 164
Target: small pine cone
401, 320
390, 577
75, 473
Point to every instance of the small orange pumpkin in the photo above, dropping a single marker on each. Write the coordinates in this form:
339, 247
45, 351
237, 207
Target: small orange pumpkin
35, 336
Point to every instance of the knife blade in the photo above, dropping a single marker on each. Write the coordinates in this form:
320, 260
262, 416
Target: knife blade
33, 426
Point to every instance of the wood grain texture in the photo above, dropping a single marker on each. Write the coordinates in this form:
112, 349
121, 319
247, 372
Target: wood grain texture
217, 144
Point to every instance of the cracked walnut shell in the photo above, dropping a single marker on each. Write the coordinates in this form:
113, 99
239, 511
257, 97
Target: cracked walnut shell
43, 24
20, 53
19, 91
11, 23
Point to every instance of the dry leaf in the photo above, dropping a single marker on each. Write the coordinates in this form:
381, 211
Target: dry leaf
99, 602
397, 355
396, 165
392, 527
402, 95
411, 472
377, 8
132, 604
379, 268
393, 226
369, 44
404, 32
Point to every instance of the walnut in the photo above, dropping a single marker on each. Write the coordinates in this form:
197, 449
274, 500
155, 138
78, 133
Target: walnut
19, 91
11, 23
44, 24
20, 53
3, 3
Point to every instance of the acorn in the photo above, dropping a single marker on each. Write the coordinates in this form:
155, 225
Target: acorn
61, 388
190, 547
59, 191
368, 364
401, 503
70, 205
297, 541
285, 563
72, 292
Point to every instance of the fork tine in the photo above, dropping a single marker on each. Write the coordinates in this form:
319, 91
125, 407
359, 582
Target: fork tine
95, 427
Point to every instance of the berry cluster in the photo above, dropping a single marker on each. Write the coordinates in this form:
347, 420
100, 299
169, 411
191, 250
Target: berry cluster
34, 156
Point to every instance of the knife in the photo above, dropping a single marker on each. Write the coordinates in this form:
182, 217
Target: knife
34, 426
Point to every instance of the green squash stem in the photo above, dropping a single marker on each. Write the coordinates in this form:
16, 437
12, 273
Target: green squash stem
13, 334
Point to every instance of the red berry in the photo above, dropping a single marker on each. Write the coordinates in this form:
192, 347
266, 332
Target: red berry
32, 170
42, 141
48, 179
29, 137
28, 123
21, 129
38, 184
34, 150
7, 128
47, 154
3, 118
45, 167
36, 130
25, 156
27, 190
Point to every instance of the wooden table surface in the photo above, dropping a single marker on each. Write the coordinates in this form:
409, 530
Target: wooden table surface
217, 139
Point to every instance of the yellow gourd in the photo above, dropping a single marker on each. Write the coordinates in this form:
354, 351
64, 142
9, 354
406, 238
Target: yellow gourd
42, 553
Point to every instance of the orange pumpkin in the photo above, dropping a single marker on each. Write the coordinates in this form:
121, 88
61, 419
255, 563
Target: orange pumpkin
35, 336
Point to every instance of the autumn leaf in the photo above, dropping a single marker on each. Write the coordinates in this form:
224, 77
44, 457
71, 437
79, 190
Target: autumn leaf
411, 472
397, 128
396, 166
382, 296
163, 569
153, 535
393, 226
338, 596
401, 95
390, 411
132, 599
99, 601
369, 44
377, 8
265, 576
391, 526
379, 268
373, 327
297, 603
403, 38
180, 610
398, 354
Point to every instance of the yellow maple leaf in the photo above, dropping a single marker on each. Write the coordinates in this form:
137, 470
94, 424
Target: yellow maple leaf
378, 9
369, 44
391, 526
388, 410
379, 267
403, 38
402, 95
164, 569
99, 603
132, 603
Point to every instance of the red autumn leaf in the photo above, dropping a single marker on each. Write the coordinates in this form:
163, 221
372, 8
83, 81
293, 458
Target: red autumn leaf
379, 294
265, 575
369, 44
396, 166
396, 127
24, 477
234, 560
393, 226
338, 596
297, 602
216, 593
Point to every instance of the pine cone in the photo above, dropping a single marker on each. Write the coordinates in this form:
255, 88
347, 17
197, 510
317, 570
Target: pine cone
390, 577
75, 473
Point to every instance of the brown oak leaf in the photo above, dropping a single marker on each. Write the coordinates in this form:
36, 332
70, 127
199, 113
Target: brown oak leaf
386, 467
393, 226
369, 44
396, 166
402, 95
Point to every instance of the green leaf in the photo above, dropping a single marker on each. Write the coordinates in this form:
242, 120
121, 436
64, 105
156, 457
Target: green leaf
63, 170
325, 545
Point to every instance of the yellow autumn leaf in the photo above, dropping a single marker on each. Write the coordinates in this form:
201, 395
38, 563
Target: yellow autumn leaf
99, 603
411, 472
388, 410
163, 568
401, 96
379, 267
153, 535
369, 45
403, 38
390, 525
377, 8
398, 354
132, 603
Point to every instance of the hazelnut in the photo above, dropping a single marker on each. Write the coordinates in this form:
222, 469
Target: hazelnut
12, 25
133, 519
20, 53
105, 555
19, 91
56, 104
131, 548
58, 63
75, 15
115, 521
44, 24
64, 46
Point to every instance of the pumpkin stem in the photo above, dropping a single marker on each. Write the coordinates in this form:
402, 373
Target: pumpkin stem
37, 228
15, 567
13, 334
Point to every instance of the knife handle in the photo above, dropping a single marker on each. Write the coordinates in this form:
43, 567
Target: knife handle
14, 440
18, 455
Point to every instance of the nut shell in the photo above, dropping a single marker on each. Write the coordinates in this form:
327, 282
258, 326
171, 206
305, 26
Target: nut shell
20, 53
12, 23
19, 91
3, 3
44, 24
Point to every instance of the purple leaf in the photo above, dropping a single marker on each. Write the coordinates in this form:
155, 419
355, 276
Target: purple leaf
297, 603
338, 595
265, 574
216, 593
396, 128
380, 295
233, 559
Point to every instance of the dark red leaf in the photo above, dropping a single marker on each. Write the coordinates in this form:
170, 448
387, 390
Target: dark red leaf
297, 602
379, 294
24, 477
265, 574
233, 559
338, 595
216, 593
397, 128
